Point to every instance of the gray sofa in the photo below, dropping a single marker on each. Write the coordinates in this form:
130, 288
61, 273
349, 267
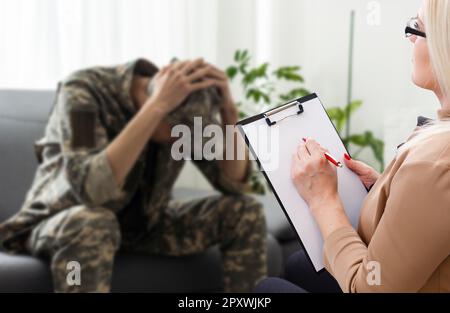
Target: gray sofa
23, 115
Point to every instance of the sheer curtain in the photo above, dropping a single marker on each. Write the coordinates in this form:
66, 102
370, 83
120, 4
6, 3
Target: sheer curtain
43, 40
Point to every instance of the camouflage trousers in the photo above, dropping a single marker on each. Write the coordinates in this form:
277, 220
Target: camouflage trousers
91, 237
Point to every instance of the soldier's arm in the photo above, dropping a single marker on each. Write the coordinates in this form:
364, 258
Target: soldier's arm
95, 168
171, 86
83, 139
235, 165
232, 174
125, 149
229, 176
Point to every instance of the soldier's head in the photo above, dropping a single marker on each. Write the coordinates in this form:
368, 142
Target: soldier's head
202, 105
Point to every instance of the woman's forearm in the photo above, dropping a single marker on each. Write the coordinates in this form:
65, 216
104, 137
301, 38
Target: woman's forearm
125, 149
329, 214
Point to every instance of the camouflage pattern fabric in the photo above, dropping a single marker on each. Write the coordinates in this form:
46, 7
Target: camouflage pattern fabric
74, 211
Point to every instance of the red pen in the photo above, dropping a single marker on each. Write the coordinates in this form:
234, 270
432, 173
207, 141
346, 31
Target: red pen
330, 158
333, 160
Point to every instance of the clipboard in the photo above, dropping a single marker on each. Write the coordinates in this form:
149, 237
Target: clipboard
273, 137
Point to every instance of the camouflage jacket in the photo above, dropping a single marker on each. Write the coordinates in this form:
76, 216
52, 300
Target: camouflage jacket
92, 106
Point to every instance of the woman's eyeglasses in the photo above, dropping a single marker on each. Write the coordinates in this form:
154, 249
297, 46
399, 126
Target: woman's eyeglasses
413, 28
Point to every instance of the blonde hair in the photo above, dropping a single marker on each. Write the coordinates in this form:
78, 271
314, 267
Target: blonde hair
437, 25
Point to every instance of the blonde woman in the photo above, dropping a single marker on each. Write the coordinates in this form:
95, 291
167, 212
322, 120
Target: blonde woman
403, 240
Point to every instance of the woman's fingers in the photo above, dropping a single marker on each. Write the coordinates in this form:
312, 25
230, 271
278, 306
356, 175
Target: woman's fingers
302, 152
315, 149
356, 166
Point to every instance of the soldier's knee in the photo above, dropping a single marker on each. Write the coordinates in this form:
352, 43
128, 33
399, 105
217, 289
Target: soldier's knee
251, 205
95, 225
250, 210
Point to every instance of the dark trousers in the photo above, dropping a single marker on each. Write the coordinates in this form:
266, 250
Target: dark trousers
301, 277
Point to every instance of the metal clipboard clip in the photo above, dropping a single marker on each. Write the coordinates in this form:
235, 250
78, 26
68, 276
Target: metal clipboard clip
268, 114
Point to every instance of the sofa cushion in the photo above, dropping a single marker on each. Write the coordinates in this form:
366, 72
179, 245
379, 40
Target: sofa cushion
23, 116
135, 273
197, 273
24, 274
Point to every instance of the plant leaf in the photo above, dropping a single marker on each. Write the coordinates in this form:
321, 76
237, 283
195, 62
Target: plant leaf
369, 140
255, 73
353, 106
338, 117
242, 114
289, 73
231, 72
245, 55
237, 55
257, 95
359, 140
294, 94
243, 68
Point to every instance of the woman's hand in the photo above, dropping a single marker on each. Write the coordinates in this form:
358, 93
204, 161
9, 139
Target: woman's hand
366, 174
316, 181
314, 177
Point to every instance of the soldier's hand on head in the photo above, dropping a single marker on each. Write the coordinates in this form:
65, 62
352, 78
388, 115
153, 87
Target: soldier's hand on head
218, 78
173, 83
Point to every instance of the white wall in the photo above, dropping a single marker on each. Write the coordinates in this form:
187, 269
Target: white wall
41, 41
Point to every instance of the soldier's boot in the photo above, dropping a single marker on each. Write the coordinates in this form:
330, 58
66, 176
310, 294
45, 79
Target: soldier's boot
80, 243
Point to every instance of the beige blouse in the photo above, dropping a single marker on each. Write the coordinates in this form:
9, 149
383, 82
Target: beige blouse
403, 239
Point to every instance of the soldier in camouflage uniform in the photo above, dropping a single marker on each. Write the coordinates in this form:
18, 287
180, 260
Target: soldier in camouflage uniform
78, 210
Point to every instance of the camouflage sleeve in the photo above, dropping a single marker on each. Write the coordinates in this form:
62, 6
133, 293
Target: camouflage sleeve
83, 141
220, 181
